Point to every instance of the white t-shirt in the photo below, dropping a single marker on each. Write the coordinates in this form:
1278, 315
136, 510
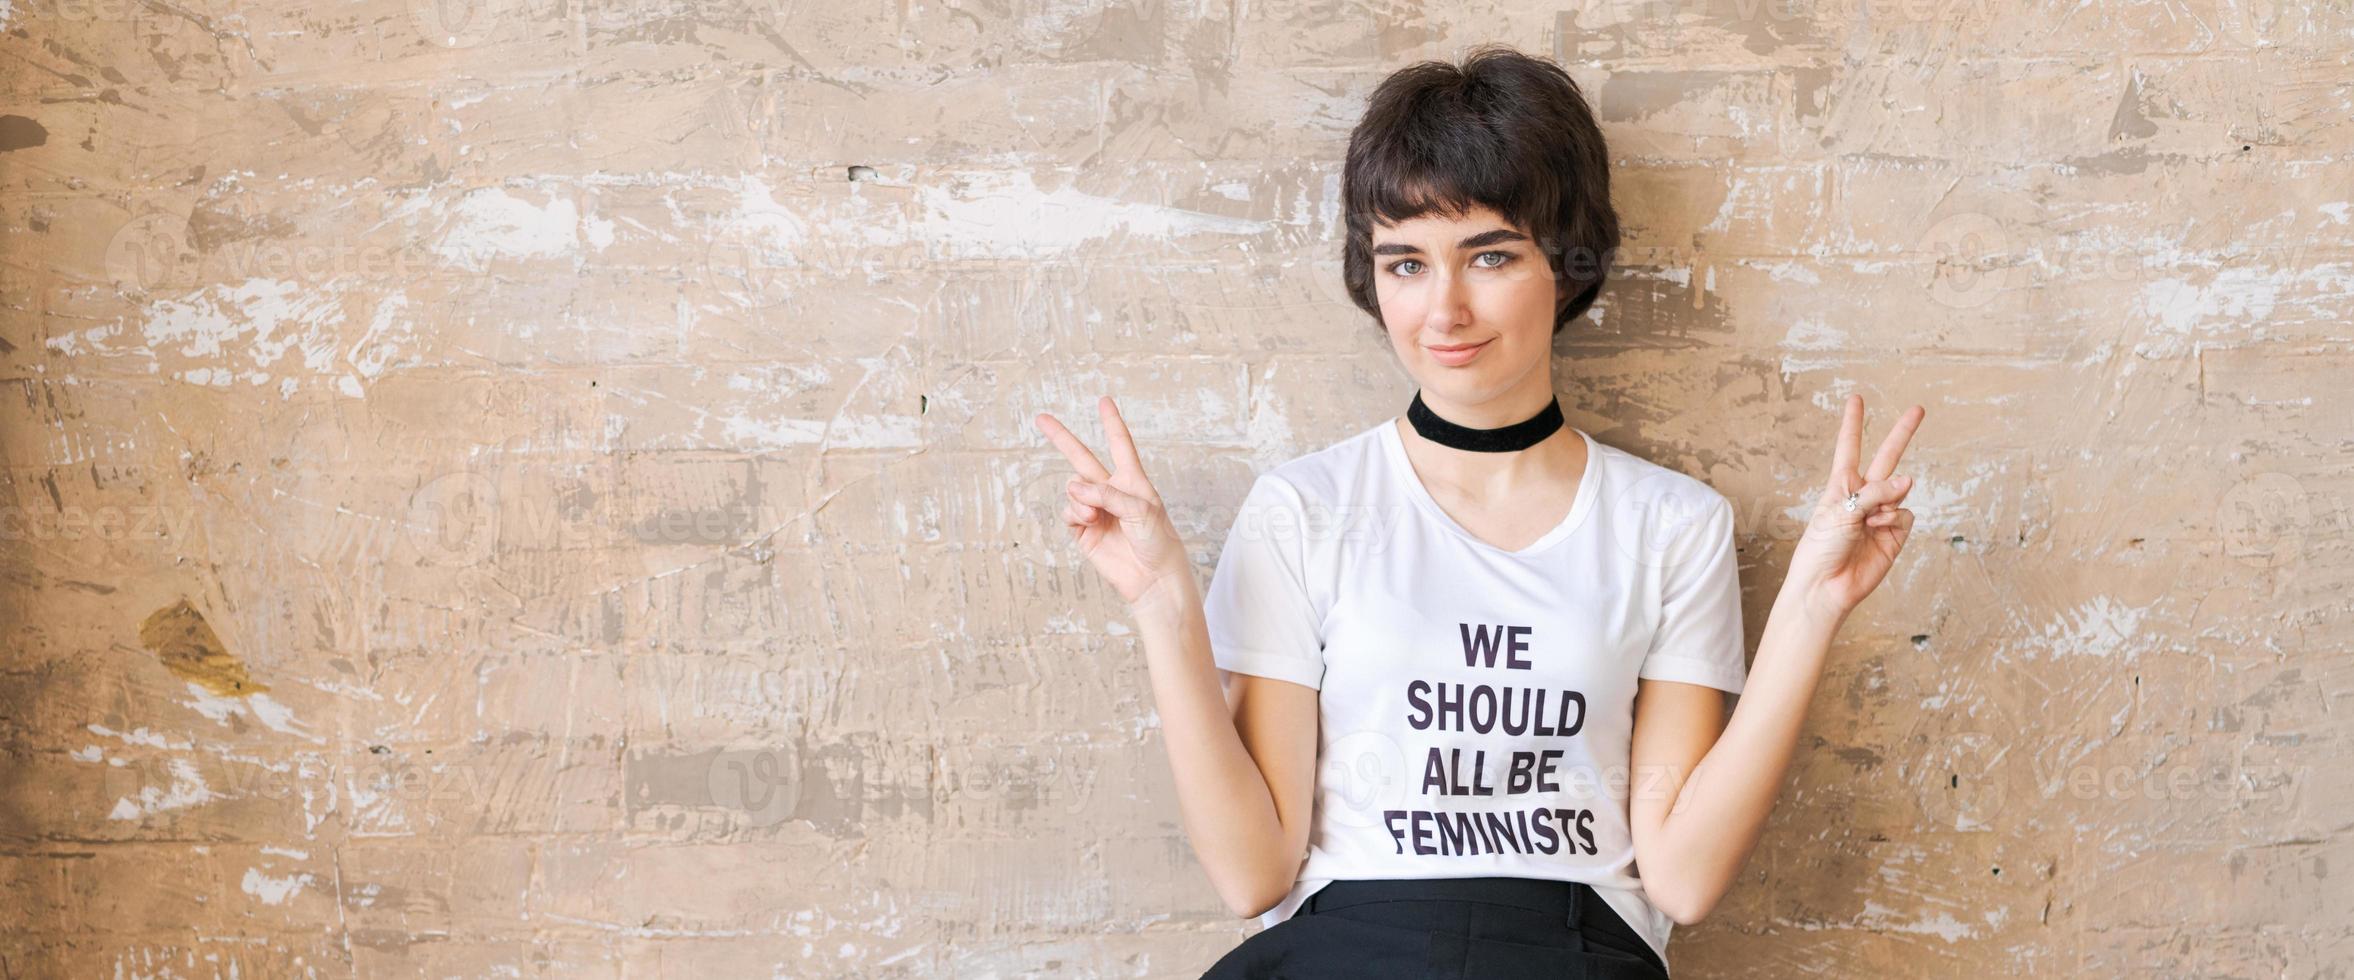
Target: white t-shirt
1477, 703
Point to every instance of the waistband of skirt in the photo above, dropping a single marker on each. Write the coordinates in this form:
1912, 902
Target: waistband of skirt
1535, 894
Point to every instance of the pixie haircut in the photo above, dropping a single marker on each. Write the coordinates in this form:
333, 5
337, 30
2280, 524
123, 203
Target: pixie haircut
1505, 130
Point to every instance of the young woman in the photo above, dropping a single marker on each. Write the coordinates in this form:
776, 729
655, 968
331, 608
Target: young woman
1452, 704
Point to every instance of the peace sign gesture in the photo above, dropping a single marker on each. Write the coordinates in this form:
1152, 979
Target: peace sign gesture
1848, 548
1116, 515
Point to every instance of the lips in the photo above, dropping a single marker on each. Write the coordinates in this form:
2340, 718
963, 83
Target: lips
1455, 355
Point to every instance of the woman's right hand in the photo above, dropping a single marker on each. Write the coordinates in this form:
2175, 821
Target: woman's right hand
1115, 515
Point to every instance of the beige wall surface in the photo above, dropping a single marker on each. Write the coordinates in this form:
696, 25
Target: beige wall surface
510, 487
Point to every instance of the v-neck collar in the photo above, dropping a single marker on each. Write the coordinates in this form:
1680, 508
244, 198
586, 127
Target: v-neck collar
1589, 483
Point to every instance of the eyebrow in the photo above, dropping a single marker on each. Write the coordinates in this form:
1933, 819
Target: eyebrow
1475, 241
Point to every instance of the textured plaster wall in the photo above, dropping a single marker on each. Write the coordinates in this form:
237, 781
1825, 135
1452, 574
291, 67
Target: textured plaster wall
507, 487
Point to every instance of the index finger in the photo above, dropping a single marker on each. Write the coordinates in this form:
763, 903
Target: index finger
1892, 448
1850, 443
1081, 459
1116, 429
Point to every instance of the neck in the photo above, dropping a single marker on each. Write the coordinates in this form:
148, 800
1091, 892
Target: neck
1493, 475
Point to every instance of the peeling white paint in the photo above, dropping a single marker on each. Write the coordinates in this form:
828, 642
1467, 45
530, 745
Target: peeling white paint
257, 706
1939, 500
249, 316
2234, 297
389, 332
273, 891
240, 329
1813, 334
1739, 203
2098, 626
140, 736
1943, 925
187, 789
1009, 216
1789, 272
491, 223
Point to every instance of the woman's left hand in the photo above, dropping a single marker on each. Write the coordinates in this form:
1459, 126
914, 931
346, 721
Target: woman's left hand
1844, 554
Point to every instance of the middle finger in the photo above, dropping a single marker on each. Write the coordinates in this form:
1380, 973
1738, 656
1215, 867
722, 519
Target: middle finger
1892, 448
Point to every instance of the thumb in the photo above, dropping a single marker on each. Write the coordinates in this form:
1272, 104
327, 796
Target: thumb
1123, 505
1878, 492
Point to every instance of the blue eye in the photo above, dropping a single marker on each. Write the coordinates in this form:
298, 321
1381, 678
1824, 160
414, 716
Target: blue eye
1508, 259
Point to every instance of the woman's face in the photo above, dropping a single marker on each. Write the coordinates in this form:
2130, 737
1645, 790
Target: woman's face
1468, 303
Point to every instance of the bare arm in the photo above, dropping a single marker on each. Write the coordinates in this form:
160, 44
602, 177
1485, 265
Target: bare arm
1244, 757
1243, 753
1698, 797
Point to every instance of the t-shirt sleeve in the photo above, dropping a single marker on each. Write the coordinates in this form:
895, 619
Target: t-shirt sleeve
1261, 618
1699, 640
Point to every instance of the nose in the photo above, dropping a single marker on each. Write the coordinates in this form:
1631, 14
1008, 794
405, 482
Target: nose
1450, 305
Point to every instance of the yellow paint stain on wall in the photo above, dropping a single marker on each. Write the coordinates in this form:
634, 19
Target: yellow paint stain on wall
178, 635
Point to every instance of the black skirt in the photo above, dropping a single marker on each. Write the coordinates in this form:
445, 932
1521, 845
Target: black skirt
1446, 929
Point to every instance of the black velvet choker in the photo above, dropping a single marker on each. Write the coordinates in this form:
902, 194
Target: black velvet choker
1510, 438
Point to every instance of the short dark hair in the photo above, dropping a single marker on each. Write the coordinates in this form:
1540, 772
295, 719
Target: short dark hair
1505, 130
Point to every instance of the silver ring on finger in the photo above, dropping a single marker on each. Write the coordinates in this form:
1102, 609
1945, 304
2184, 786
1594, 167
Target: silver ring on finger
1850, 503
